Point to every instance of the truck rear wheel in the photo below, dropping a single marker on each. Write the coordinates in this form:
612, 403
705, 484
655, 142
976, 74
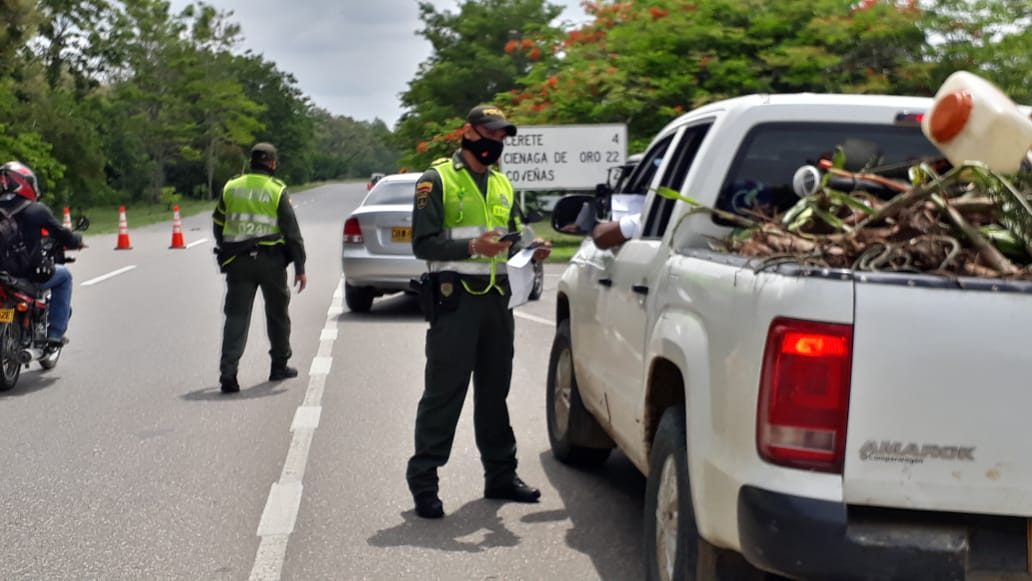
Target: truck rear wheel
570, 425
671, 538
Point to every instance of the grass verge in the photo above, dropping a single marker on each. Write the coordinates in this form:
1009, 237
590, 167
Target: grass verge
104, 219
564, 246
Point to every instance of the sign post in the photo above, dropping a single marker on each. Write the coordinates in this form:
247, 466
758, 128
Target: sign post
563, 157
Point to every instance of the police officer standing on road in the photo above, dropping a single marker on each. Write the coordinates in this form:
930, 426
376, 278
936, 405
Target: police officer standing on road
257, 236
462, 207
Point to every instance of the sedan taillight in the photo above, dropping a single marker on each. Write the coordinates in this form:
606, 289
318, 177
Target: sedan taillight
352, 231
804, 394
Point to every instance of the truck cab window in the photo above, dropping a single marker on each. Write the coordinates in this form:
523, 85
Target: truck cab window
684, 155
641, 178
760, 178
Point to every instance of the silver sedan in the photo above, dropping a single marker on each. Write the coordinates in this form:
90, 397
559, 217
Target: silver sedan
377, 254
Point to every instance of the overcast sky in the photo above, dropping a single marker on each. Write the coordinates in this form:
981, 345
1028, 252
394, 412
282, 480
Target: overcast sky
351, 58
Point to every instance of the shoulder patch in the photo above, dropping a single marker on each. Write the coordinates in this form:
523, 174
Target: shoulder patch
423, 190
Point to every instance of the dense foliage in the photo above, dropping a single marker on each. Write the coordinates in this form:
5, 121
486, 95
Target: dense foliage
121, 101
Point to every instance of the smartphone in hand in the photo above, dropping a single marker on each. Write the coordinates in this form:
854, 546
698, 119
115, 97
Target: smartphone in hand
512, 237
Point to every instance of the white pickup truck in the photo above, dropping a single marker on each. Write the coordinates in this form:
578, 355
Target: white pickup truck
822, 424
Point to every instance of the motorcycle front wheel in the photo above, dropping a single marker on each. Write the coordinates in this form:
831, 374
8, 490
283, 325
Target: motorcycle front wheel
10, 347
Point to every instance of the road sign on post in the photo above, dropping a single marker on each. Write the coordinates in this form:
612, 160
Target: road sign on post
563, 157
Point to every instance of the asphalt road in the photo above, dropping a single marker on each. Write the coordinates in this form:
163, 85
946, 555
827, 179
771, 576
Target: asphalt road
125, 462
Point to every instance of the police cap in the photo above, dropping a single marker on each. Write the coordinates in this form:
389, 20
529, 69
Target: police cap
491, 117
263, 152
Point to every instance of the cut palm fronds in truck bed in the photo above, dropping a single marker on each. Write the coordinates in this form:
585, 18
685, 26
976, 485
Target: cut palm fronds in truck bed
968, 221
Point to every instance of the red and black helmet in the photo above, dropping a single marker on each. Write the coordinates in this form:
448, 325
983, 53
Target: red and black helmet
18, 178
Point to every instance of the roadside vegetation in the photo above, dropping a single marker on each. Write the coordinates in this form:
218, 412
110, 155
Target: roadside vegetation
131, 103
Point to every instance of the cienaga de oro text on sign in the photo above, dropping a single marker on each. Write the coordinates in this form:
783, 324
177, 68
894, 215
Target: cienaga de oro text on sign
563, 157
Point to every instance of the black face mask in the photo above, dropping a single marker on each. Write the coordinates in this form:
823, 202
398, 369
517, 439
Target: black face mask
486, 150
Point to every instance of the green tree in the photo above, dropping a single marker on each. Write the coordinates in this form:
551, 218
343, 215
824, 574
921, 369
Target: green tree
224, 113
991, 38
286, 117
643, 63
469, 65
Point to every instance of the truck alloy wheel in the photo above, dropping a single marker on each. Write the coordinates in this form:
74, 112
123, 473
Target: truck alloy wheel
575, 436
671, 539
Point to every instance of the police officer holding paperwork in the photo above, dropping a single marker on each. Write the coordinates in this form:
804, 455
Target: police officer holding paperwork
257, 236
462, 209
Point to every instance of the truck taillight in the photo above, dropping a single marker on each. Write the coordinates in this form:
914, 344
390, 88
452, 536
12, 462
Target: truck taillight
804, 394
352, 231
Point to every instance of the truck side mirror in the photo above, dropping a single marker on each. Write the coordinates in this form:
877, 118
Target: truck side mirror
575, 215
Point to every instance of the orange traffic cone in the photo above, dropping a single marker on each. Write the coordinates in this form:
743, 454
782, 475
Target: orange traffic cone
177, 229
123, 231
67, 222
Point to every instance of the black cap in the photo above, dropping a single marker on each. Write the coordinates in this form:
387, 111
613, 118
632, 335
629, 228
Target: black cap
491, 117
263, 152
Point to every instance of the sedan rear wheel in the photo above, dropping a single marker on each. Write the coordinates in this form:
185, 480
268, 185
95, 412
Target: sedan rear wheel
359, 298
539, 281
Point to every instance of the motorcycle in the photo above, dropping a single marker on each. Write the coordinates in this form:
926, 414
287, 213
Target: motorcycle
23, 318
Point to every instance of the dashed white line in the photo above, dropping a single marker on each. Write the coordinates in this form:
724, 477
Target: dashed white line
540, 320
113, 274
284, 502
196, 242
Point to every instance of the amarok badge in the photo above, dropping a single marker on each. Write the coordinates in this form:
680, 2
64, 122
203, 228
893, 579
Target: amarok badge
447, 289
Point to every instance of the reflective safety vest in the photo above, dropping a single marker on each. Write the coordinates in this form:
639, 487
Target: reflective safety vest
251, 203
468, 214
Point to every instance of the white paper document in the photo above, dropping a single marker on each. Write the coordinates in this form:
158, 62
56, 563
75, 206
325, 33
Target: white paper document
521, 277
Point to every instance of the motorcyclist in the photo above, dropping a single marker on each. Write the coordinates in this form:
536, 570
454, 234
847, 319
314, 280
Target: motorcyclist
20, 191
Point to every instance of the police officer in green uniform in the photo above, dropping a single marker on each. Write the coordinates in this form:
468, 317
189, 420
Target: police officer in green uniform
462, 207
257, 236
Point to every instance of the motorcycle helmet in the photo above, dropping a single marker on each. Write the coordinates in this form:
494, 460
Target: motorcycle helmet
18, 178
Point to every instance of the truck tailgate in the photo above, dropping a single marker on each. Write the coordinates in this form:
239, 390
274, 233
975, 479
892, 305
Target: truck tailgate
940, 411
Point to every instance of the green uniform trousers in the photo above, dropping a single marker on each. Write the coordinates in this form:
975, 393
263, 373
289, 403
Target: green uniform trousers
477, 339
267, 269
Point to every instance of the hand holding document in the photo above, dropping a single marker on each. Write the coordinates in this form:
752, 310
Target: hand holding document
521, 276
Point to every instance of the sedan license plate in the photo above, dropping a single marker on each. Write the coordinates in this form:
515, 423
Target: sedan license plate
6, 315
401, 234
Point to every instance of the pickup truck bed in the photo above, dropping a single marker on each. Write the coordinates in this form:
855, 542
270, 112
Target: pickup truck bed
824, 424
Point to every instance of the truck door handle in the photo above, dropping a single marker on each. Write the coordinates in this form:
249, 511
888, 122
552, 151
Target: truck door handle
606, 282
640, 289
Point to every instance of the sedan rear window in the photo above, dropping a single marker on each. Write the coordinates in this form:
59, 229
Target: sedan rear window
392, 192
760, 178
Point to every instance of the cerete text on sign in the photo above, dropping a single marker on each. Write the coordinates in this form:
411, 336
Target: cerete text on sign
563, 157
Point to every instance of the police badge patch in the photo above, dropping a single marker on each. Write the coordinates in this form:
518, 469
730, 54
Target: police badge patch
447, 289
423, 190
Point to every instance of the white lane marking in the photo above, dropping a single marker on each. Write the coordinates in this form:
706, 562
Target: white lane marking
306, 418
321, 365
196, 242
281, 509
113, 274
533, 318
284, 502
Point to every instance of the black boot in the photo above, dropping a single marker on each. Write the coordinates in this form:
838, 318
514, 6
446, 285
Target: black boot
516, 491
229, 384
428, 505
281, 372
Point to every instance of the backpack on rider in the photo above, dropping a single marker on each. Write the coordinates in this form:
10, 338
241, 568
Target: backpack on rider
15, 257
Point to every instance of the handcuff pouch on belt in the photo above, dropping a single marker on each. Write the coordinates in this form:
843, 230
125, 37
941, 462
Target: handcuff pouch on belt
438, 293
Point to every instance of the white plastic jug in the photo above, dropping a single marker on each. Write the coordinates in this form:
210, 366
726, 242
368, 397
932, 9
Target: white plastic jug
972, 120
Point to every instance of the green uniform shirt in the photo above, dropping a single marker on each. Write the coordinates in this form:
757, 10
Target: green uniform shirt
285, 219
429, 238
